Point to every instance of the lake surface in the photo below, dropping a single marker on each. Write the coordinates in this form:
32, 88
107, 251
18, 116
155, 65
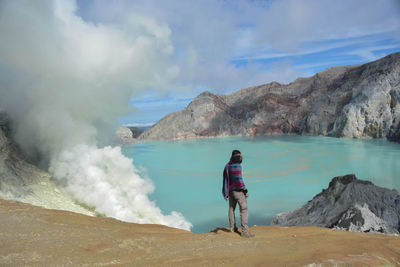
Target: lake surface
281, 172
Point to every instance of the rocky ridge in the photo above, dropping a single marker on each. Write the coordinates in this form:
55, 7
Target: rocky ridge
349, 204
347, 101
128, 135
125, 135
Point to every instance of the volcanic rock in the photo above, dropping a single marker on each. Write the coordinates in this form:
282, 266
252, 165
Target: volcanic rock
361, 219
125, 135
22, 181
347, 101
350, 204
136, 131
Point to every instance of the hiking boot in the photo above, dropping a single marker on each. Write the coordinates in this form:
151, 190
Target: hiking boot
247, 234
234, 230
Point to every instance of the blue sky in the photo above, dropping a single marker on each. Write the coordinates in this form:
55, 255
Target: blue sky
222, 46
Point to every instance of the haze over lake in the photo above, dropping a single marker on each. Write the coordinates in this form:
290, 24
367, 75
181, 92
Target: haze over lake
281, 172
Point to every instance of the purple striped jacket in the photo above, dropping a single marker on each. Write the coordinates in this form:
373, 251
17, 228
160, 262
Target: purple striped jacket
232, 179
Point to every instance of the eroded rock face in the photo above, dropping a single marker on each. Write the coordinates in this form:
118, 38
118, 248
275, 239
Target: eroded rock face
359, 218
25, 182
125, 135
135, 131
347, 101
394, 132
128, 135
350, 204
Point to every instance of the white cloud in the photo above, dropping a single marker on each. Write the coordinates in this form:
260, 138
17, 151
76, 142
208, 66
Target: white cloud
65, 81
145, 124
371, 53
286, 24
208, 34
72, 73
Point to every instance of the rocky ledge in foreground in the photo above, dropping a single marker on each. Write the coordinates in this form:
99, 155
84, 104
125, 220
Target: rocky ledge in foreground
32, 236
349, 204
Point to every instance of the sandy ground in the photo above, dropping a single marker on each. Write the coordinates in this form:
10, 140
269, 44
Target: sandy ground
33, 236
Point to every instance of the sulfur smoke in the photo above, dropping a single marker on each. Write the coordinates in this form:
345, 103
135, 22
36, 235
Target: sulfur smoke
65, 81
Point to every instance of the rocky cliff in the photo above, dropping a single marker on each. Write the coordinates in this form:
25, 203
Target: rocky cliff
25, 182
348, 101
125, 135
349, 204
128, 135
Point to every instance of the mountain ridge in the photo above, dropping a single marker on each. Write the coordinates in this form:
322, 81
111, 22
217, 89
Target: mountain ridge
344, 101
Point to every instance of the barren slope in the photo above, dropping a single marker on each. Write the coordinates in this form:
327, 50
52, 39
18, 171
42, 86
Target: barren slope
35, 236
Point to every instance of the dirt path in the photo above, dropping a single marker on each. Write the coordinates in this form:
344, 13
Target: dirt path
32, 236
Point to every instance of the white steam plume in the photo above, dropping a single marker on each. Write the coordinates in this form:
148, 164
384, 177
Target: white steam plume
112, 184
65, 81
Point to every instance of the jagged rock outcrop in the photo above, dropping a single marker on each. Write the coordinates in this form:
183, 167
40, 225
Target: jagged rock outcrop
136, 131
350, 204
348, 101
125, 135
25, 182
128, 135
359, 218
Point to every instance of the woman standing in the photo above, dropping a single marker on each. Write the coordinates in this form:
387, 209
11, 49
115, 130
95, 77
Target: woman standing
234, 188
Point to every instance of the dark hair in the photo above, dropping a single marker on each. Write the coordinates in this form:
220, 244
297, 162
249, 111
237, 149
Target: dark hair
234, 152
236, 156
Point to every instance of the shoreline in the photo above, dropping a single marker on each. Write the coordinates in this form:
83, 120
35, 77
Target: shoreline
138, 141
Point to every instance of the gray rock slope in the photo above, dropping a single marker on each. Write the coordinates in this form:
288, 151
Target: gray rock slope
125, 135
128, 135
349, 204
24, 182
348, 101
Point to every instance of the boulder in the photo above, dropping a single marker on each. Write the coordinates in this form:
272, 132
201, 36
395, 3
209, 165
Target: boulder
125, 135
351, 204
359, 218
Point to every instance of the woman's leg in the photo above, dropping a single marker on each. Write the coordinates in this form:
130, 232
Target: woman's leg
231, 213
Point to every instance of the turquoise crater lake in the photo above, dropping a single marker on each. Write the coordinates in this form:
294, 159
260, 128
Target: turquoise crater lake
281, 172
